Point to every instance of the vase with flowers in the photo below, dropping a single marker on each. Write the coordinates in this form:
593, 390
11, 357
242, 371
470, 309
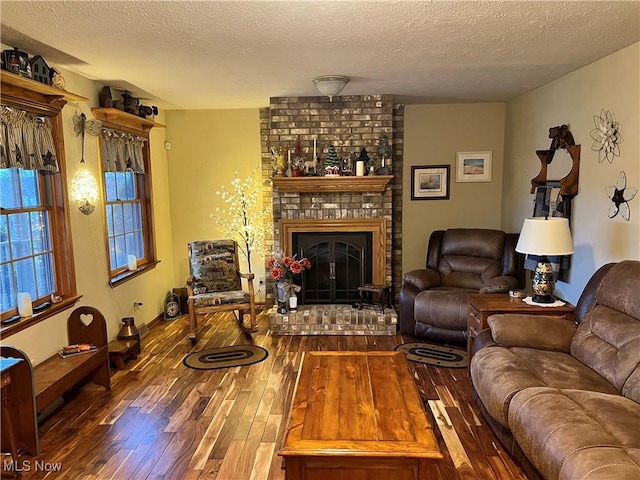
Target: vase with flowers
286, 271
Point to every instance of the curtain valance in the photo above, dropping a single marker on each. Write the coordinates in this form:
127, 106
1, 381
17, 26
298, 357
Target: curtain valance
121, 152
26, 141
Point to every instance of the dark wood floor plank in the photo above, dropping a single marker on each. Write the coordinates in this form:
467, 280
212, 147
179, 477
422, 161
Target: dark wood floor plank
163, 421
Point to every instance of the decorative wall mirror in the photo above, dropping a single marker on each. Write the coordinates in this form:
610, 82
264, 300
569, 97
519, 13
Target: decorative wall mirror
561, 138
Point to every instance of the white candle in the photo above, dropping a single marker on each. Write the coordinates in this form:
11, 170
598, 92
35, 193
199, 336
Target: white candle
314, 149
25, 308
293, 302
289, 156
132, 262
360, 168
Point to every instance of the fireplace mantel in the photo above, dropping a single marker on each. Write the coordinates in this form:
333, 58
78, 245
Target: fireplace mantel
371, 183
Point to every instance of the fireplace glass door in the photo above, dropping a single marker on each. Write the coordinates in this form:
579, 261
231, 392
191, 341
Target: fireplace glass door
341, 262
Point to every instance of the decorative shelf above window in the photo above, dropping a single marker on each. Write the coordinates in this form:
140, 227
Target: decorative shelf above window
371, 183
26, 86
118, 117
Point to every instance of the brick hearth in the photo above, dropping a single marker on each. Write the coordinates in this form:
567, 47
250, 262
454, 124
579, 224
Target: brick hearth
334, 320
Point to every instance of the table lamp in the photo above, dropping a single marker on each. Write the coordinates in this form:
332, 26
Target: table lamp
544, 236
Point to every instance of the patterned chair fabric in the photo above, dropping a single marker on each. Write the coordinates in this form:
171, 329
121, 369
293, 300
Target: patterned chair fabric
214, 271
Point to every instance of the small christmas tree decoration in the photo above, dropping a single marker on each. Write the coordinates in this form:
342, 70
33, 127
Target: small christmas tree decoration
331, 163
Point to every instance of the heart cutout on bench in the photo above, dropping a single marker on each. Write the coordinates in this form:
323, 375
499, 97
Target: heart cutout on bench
86, 319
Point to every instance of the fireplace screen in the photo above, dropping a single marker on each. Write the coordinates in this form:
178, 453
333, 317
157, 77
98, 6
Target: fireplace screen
341, 263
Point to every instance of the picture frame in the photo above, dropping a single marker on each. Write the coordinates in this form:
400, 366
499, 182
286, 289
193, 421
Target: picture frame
473, 166
430, 182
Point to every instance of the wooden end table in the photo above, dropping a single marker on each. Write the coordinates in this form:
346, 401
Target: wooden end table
358, 415
482, 306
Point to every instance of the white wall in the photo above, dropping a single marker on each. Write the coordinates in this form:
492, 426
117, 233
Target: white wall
90, 255
611, 84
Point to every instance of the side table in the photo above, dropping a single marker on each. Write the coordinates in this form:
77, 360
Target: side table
121, 351
482, 306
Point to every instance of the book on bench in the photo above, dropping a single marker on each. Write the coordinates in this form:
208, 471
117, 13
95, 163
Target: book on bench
76, 349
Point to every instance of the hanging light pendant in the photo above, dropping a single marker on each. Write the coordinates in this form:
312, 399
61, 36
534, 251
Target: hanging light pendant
330, 85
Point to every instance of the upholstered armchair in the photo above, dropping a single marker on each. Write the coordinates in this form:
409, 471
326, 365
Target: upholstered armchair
434, 301
215, 284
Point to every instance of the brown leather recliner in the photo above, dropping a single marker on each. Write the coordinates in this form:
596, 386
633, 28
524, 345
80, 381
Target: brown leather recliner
434, 302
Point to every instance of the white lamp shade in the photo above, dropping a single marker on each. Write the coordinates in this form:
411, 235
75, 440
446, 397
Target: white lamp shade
545, 236
330, 85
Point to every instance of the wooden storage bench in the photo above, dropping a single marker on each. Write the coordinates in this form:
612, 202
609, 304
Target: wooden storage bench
34, 389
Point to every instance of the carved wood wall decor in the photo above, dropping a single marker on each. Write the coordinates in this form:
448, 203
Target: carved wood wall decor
560, 138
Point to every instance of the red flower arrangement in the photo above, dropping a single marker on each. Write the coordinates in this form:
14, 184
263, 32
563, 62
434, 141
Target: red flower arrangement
285, 267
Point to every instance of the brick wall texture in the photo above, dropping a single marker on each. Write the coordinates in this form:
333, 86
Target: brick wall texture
349, 123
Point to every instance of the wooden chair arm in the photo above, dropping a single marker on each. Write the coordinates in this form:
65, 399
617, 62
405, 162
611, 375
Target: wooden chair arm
248, 276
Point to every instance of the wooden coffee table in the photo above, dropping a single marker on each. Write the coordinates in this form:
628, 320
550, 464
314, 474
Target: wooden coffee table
358, 415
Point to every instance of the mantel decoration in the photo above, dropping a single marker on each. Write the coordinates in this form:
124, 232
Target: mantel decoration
285, 270
606, 136
242, 219
620, 195
331, 163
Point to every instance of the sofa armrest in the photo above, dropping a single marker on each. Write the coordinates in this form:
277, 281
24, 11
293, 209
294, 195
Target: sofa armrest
422, 279
500, 284
532, 331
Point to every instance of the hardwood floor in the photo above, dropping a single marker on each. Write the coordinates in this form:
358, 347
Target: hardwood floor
162, 420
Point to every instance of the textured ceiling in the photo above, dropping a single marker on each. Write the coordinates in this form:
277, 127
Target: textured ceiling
237, 54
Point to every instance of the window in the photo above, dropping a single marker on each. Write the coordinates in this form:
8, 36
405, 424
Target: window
124, 213
35, 237
27, 260
127, 194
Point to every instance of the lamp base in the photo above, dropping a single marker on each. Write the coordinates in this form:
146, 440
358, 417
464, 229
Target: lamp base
543, 283
543, 299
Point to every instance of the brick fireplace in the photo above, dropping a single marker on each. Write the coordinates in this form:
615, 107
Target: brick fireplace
352, 204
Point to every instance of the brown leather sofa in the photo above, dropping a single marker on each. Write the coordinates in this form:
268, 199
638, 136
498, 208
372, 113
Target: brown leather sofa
434, 302
564, 399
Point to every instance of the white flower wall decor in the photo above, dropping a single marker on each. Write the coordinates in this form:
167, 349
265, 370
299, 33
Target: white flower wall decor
606, 136
620, 195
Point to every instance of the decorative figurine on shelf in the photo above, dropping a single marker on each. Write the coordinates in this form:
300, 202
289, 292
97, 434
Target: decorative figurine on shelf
384, 155
331, 163
347, 165
297, 161
57, 80
11, 60
130, 103
104, 98
145, 111
40, 70
365, 159
279, 161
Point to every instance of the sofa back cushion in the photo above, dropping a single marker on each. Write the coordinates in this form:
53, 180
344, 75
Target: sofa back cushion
469, 257
608, 339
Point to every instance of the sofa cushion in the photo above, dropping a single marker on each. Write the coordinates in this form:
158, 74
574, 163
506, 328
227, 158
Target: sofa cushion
220, 298
498, 373
576, 434
608, 339
443, 307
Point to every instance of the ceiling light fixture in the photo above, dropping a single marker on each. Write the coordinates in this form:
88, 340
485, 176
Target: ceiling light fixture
330, 85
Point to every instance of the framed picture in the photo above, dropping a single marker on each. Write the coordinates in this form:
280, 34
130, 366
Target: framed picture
430, 182
473, 167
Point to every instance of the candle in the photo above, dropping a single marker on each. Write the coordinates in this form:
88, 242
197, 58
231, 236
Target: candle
360, 168
25, 309
314, 149
289, 156
132, 262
